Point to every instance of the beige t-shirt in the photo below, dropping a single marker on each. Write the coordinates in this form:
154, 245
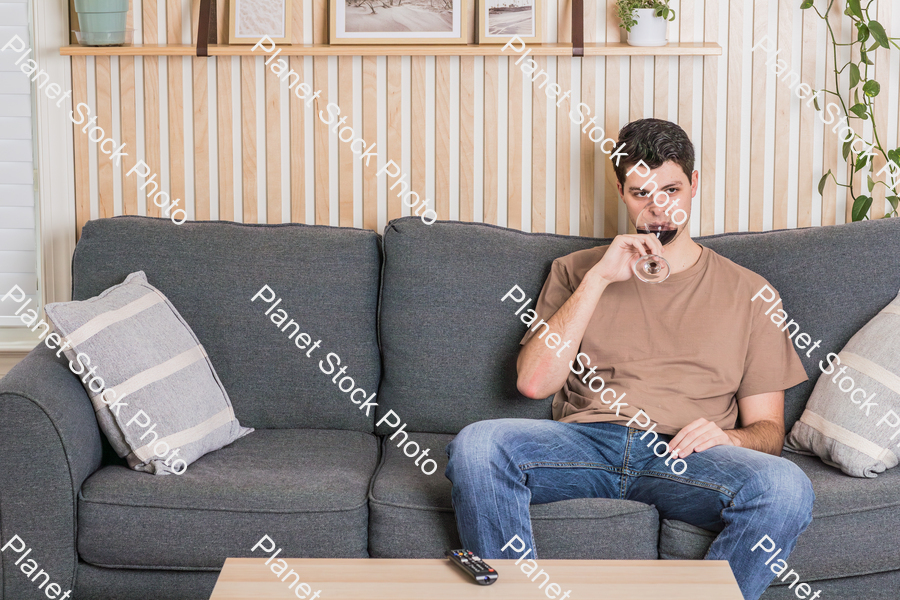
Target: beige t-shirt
686, 348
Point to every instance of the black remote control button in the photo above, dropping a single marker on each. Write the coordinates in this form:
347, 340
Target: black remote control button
473, 566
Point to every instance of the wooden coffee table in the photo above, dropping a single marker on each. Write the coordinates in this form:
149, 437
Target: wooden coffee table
436, 579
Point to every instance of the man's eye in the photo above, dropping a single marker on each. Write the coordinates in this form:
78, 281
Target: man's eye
641, 194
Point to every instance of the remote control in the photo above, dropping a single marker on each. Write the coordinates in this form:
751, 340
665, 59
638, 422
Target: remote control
476, 568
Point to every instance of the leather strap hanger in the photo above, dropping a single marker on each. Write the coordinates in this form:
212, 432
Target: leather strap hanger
578, 27
207, 32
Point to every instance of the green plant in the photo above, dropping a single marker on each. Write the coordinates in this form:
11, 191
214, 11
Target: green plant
863, 108
625, 10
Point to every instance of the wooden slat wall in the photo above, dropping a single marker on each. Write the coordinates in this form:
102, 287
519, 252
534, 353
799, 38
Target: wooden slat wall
370, 132
467, 138
708, 155
82, 146
250, 169
394, 125
418, 132
175, 71
737, 46
611, 123
345, 156
473, 134
103, 79
783, 96
491, 114
588, 95
442, 136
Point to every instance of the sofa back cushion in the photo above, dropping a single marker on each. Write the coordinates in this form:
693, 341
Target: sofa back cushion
832, 281
327, 280
449, 345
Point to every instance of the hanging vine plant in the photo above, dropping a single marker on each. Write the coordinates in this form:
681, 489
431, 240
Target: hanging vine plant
864, 89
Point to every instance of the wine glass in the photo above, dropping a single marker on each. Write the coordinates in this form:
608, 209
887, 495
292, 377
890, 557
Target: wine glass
653, 268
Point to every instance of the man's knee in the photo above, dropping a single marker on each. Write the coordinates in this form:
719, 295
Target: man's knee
481, 443
478, 433
476, 441
789, 487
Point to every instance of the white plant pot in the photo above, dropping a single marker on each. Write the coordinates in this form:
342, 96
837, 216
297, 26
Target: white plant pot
650, 30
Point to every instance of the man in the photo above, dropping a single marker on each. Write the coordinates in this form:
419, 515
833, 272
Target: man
692, 354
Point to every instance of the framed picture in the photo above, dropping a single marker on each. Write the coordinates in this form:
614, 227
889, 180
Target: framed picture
398, 21
500, 20
250, 20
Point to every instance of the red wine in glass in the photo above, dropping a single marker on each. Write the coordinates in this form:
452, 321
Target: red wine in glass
664, 233
652, 268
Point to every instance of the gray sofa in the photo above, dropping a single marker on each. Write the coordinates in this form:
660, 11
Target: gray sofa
415, 314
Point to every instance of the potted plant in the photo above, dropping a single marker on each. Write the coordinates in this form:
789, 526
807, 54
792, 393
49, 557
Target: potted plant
645, 21
102, 22
863, 88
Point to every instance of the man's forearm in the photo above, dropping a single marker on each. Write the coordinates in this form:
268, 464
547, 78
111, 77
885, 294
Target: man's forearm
543, 370
764, 436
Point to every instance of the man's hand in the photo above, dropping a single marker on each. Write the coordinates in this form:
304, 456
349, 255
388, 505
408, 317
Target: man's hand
698, 436
623, 252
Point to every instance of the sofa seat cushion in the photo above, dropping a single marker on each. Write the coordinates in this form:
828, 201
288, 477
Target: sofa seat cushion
412, 515
304, 488
853, 531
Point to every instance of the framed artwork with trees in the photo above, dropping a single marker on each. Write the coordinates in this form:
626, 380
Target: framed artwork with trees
500, 20
398, 21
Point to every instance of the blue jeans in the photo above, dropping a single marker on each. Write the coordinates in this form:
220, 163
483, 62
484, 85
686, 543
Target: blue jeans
499, 467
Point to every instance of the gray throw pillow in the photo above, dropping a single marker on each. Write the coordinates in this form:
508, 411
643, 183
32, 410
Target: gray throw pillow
156, 395
852, 419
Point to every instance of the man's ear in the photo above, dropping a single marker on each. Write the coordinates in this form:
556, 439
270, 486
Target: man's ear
695, 182
621, 190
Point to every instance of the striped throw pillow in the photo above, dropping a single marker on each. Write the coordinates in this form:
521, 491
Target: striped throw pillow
852, 419
156, 395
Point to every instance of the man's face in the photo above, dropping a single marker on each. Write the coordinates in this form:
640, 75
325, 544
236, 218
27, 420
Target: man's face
674, 193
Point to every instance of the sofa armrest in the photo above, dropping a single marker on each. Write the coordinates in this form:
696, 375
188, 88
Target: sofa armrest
49, 444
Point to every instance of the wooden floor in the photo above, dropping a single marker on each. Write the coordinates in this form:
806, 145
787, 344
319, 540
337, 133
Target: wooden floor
434, 579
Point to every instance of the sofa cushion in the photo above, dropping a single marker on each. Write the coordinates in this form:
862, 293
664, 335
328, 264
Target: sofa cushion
834, 426
327, 278
304, 488
411, 516
853, 531
98, 583
148, 354
880, 586
450, 346
682, 541
832, 281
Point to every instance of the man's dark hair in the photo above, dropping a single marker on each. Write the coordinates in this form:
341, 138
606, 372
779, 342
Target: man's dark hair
655, 141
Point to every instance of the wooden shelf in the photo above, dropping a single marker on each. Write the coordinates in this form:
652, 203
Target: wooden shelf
610, 49
680, 49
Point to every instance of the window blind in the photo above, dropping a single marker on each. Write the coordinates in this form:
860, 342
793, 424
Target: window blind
18, 230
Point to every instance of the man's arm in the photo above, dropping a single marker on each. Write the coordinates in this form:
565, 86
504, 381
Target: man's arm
543, 370
762, 420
